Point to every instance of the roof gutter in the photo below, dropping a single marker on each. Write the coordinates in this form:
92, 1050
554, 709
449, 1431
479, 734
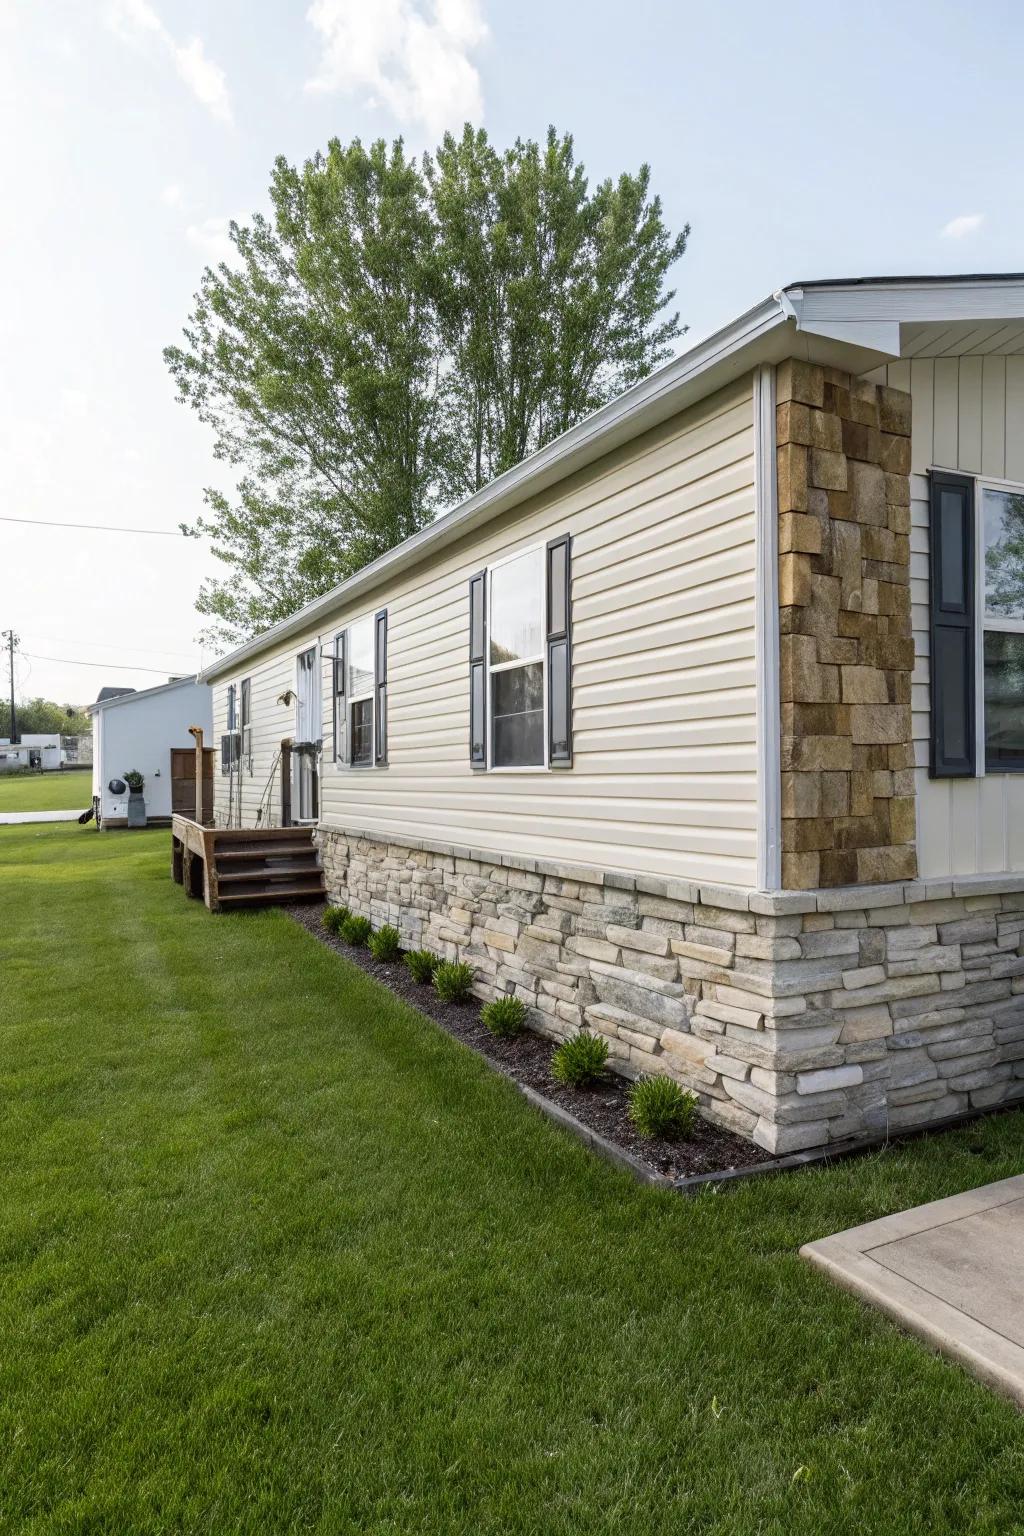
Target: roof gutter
643, 406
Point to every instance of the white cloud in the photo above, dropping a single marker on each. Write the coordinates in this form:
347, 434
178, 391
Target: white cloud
213, 238
410, 56
136, 20
172, 195
963, 224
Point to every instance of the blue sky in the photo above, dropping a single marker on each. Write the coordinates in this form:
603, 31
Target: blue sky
799, 141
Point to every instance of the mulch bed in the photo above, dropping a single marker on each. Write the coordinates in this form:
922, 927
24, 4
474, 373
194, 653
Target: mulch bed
527, 1059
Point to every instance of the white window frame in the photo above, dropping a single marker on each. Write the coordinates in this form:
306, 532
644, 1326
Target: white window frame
520, 661
345, 764
982, 622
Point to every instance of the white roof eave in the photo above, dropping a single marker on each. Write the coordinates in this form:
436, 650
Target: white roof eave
852, 324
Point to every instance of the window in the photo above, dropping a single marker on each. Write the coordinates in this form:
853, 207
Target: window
520, 663
359, 690
232, 707
977, 626
1002, 650
245, 697
360, 693
516, 662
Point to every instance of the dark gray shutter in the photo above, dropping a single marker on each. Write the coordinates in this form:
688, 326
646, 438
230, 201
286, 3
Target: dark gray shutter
559, 649
380, 683
478, 670
338, 694
953, 747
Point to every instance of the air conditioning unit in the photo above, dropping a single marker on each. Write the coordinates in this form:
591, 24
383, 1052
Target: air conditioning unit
230, 750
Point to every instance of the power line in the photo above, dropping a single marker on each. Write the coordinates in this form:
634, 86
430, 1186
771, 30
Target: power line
101, 645
42, 522
70, 661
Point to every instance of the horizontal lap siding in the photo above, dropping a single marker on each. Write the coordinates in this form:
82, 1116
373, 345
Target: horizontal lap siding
664, 778
968, 416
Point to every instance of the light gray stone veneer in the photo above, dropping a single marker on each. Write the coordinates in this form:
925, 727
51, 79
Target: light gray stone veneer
798, 1019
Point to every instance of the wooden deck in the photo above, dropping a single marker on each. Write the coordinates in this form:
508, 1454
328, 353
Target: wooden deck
245, 866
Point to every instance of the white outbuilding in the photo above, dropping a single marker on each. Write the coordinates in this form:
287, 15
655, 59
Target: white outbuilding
139, 731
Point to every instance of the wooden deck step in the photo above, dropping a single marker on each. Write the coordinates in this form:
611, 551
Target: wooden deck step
307, 891
267, 871
235, 852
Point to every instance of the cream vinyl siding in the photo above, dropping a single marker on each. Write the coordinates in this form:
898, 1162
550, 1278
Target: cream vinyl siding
968, 416
665, 754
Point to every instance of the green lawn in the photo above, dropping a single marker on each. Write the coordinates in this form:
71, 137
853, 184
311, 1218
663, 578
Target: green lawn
70, 790
278, 1256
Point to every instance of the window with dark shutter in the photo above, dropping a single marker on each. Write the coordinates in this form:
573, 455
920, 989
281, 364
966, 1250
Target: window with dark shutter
478, 670
338, 698
953, 746
245, 696
380, 668
559, 651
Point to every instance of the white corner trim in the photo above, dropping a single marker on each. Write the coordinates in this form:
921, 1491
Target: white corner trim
766, 631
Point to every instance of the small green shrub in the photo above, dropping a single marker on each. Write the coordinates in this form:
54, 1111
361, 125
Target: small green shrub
355, 930
333, 917
505, 1016
385, 943
453, 981
422, 965
580, 1060
659, 1107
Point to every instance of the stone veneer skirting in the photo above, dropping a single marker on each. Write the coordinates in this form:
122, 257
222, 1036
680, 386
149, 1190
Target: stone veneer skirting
799, 1018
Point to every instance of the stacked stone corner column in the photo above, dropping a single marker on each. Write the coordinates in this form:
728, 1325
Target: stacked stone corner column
845, 642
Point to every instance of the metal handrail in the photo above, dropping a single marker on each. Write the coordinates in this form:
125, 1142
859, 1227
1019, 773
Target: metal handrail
265, 797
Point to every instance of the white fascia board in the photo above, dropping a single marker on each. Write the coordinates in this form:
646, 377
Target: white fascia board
908, 301
763, 334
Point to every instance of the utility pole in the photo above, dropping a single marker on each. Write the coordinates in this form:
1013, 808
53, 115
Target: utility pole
12, 645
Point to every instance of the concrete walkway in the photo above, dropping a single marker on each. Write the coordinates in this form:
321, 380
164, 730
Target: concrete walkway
24, 818
951, 1271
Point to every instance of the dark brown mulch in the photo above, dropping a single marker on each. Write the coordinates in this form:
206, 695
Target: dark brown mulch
527, 1059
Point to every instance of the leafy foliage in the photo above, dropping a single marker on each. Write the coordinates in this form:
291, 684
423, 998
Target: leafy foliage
580, 1060
659, 1107
386, 943
453, 981
421, 965
43, 717
333, 917
505, 1016
135, 780
355, 930
397, 334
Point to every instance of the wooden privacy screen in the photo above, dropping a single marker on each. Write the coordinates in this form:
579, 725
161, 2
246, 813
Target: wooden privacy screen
183, 783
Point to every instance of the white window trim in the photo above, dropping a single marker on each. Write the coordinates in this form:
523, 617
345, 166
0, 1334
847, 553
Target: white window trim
345, 764
983, 483
521, 661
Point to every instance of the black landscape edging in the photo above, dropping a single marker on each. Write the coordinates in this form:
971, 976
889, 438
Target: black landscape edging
694, 1183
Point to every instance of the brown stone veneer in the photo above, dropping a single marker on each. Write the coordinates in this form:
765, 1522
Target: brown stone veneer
845, 644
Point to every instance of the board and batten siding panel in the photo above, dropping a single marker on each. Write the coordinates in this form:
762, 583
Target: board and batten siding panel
664, 779
968, 415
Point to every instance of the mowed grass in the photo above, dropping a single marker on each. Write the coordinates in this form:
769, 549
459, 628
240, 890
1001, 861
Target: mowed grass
69, 790
276, 1255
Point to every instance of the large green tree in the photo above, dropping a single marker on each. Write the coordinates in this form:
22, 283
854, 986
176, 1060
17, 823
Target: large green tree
42, 717
396, 335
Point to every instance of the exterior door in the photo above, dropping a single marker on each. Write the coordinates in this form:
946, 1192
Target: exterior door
306, 752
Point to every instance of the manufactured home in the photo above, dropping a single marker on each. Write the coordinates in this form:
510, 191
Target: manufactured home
147, 730
704, 726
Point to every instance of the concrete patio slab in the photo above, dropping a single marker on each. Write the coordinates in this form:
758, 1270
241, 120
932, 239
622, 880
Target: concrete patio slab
951, 1272
27, 818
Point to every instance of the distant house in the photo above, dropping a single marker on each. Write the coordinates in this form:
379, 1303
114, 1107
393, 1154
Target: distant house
44, 752
703, 727
139, 730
